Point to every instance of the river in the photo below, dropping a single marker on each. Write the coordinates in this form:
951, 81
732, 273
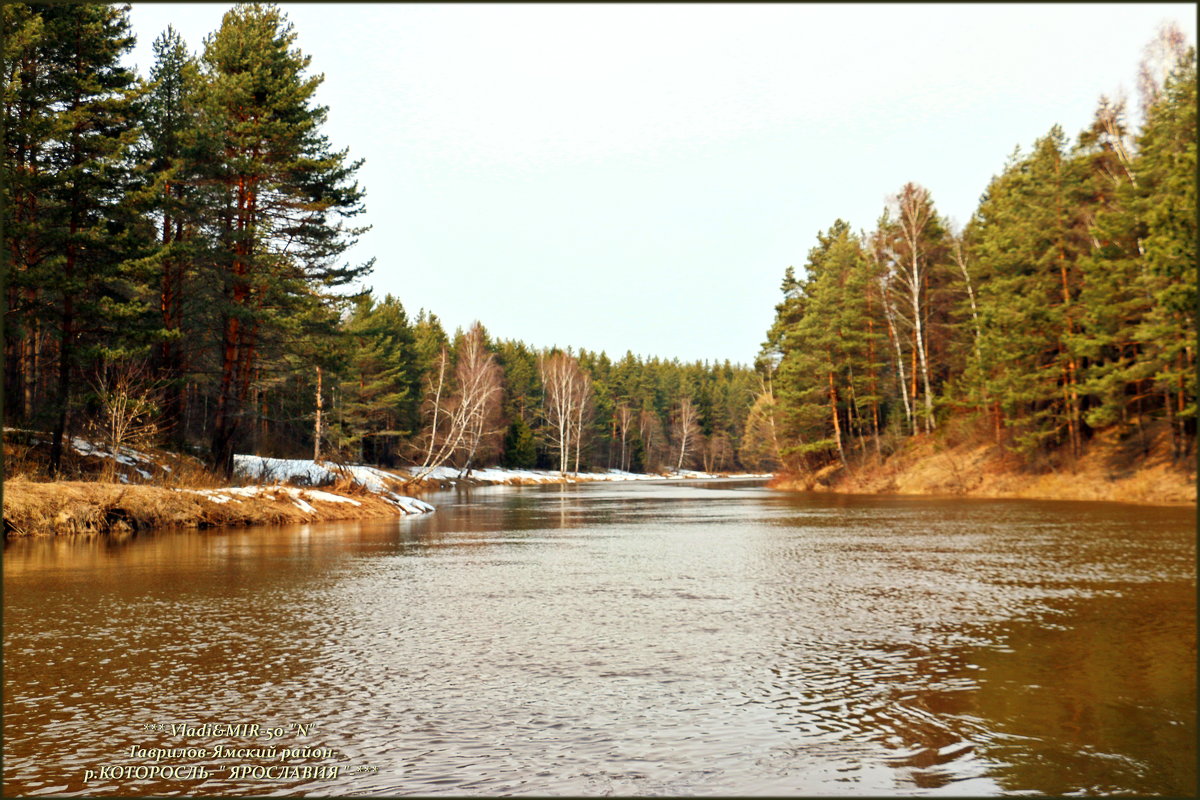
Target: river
628, 639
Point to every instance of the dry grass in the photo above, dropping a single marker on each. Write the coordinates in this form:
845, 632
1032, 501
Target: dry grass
27, 454
1109, 470
33, 508
97, 494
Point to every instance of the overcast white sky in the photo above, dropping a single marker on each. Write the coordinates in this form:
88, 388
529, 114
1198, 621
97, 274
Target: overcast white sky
638, 177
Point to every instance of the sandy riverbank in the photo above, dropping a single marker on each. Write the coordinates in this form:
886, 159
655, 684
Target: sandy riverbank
929, 467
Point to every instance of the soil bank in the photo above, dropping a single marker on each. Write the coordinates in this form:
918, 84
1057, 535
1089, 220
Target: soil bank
1105, 472
35, 508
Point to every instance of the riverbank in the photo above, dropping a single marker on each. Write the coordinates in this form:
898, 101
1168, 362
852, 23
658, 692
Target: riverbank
142, 490
64, 507
501, 476
1107, 471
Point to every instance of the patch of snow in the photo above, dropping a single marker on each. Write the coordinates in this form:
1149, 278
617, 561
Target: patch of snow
244, 491
326, 497
311, 473
303, 506
301, 496
410, 505
127, 455
507, 476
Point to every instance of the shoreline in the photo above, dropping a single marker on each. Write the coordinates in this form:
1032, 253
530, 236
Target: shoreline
922, 469
86, 507
798, 485
980, 471
92, 507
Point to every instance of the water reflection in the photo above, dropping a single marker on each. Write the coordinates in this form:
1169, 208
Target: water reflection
637, 639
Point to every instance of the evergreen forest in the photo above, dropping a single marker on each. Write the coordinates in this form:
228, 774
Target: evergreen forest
174, 275
1065, 307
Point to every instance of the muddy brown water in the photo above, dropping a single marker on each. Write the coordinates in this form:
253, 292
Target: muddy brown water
639, 639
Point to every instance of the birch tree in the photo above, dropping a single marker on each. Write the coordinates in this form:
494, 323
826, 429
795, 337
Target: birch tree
883, 272
567, 392
462, 406
623, 416
760, 448
481, 388
910, 274
685, 429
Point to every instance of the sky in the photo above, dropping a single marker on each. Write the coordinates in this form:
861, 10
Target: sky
638, 177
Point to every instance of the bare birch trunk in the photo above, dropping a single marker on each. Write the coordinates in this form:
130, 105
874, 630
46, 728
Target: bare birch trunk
317, 426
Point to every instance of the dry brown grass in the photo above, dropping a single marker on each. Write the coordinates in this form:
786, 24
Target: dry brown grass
27, 454
33, 508
1108, 470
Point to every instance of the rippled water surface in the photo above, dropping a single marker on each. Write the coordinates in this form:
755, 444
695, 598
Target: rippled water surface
645, 639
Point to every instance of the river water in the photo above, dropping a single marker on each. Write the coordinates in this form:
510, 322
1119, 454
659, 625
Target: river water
636, 639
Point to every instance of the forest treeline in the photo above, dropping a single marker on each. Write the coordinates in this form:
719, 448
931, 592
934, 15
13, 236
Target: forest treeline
174, 275
1065, 307
174, 249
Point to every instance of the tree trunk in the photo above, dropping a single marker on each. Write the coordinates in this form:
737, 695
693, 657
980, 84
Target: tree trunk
837, 427
317, 426
894, 338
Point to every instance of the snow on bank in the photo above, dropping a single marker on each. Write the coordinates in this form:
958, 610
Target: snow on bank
125, 456
498, 475
312, 473
309, 473
301, 497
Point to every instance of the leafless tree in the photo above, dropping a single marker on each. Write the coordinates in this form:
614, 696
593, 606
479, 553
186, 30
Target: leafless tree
318, 424
1111, 131
624, 417
916, 215
481, 384
907, 273
760, 442
685, 429
464, 412
1162, 55
567, 406
129, 406
654, 451
718, 452
885, 275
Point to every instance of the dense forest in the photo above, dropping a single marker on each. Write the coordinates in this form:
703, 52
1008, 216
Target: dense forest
174, 275
1064, 308
173, 251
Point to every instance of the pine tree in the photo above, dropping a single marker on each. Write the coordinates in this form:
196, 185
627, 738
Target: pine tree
1030, 238
1113, 298
824, 379
379, 389
1166, 206
28, 256
172, 197
286, 197
69, 126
